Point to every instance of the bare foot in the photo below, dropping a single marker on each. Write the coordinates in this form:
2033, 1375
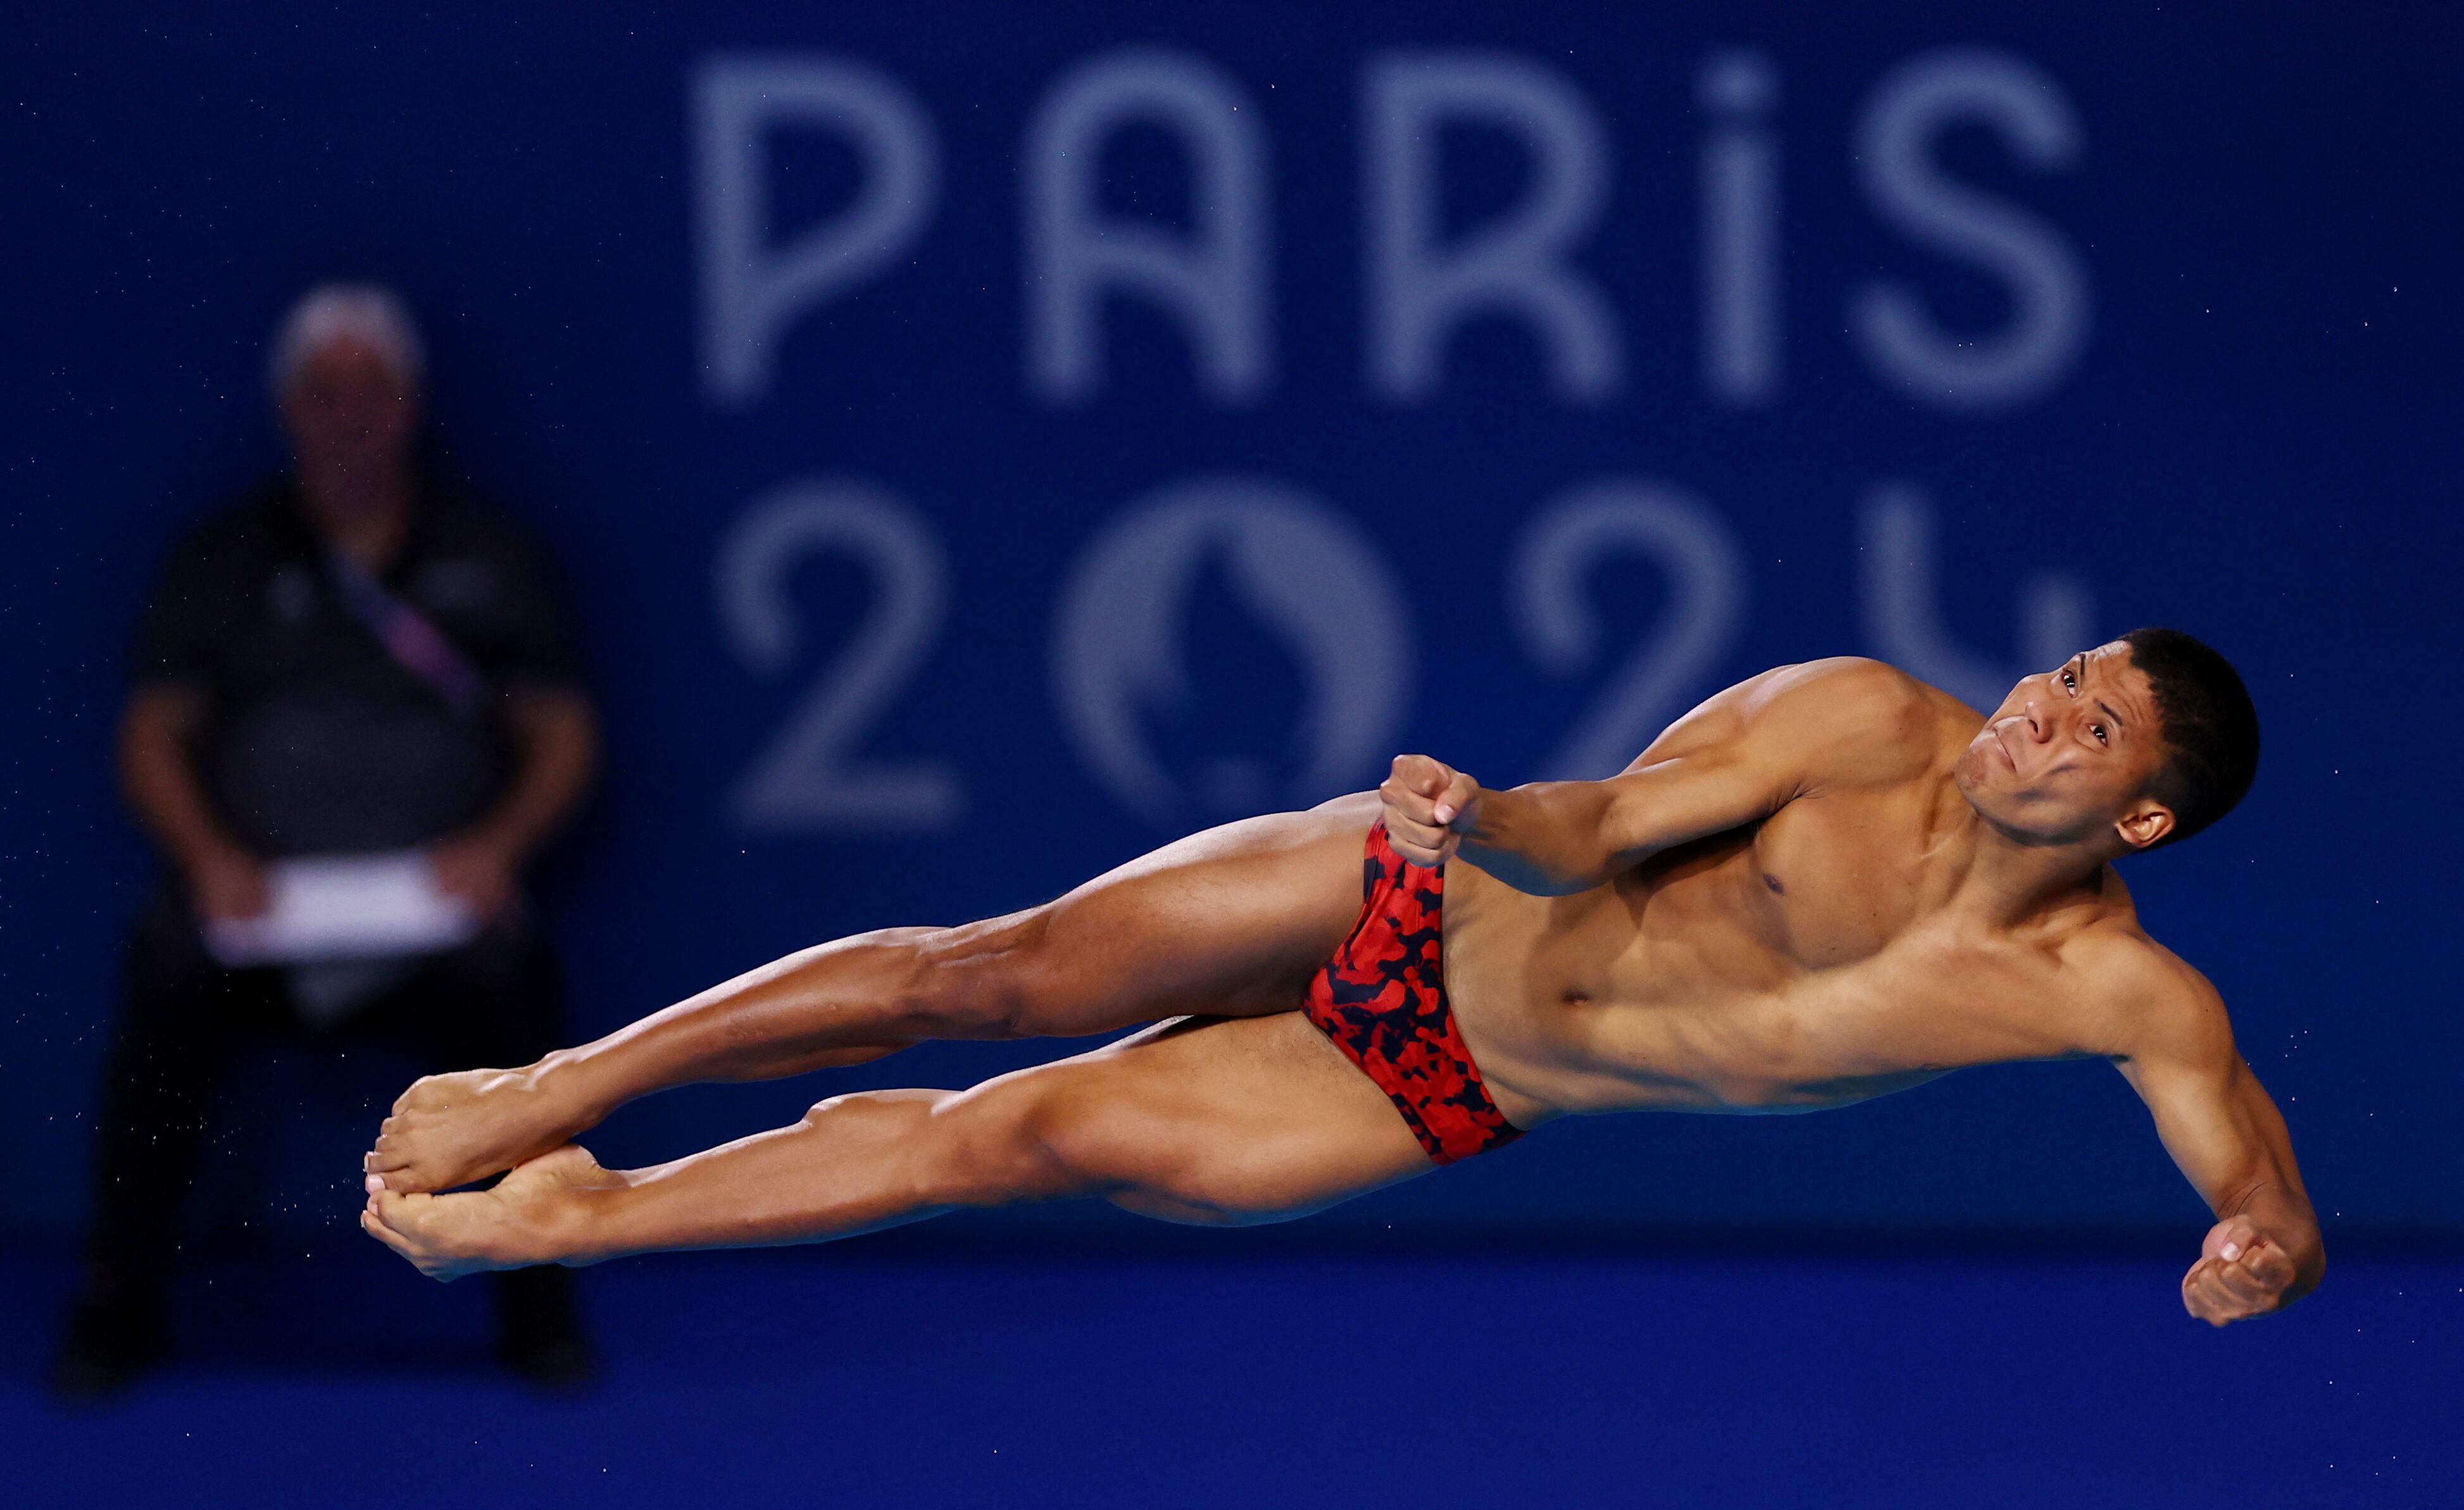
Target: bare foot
451, 1129
533, 1215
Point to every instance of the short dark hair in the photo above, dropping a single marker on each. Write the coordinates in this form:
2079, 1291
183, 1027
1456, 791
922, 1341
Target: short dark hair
2210, 727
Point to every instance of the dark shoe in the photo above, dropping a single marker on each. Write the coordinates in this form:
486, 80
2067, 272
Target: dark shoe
106, 1346
561, 1361
538, 1328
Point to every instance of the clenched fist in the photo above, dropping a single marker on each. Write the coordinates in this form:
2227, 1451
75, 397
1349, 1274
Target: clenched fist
1429, 805
2240, 1274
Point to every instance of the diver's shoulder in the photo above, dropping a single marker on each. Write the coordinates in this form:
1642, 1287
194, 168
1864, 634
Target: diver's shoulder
1880, 694
1855, 717
2150, 994
1880, 686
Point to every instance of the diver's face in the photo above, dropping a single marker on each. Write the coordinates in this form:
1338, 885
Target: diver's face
2071, 755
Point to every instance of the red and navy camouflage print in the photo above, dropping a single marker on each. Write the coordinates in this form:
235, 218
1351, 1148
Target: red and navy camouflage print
1382, 1000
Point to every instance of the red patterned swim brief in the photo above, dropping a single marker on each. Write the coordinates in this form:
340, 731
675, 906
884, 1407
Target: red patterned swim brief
1382, 1000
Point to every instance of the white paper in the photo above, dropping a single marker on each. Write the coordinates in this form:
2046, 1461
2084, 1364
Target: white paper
346, 906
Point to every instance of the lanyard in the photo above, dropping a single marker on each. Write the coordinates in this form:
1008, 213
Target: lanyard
410, 637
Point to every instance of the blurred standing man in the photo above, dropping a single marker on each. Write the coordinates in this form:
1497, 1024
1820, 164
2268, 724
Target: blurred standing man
352, 661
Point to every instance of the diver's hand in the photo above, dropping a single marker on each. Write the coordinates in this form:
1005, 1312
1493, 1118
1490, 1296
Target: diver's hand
2241, 1272
1429, 806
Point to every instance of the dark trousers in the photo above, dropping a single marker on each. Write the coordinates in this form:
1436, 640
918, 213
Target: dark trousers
492, 1002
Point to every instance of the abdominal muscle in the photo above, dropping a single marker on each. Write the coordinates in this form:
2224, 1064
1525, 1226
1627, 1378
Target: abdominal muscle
1670, 991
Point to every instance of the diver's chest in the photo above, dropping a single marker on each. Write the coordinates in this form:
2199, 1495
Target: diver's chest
1829, 889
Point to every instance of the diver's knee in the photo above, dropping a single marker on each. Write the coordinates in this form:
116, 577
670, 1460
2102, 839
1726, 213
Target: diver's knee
995, 980
1008, 1144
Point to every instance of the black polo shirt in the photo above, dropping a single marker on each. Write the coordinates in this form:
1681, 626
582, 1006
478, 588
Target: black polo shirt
315, 740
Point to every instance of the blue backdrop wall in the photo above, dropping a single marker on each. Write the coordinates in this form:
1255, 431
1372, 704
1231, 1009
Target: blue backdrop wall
980, 443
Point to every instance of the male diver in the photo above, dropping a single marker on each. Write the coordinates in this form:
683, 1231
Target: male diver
1826, 883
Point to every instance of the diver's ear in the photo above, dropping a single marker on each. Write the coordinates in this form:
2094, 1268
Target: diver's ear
2145, 824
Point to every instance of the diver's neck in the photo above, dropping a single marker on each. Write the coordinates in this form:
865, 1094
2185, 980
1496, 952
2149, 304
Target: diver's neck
2010, 880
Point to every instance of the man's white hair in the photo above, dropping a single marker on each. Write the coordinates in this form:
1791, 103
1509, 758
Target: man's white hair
369, 313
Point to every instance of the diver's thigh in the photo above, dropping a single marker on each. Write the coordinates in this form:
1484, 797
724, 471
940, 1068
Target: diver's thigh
1222, 1120
1233, 921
